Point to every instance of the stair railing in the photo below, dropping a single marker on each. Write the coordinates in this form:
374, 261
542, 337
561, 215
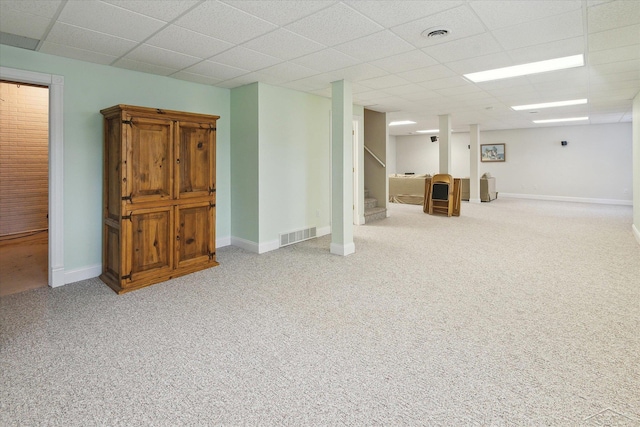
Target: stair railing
375, 157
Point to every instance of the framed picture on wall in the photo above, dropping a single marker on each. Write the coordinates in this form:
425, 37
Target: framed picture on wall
492, 152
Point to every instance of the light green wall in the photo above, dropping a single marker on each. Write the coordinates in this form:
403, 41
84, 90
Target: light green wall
244, 162
88, 88
294, 161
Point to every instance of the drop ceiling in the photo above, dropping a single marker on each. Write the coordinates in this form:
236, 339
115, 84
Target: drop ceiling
376, 45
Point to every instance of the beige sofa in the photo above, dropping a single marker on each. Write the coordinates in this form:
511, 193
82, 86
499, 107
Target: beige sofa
407, 188
487, 188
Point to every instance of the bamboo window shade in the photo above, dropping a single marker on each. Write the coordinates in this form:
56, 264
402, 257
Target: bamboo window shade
24, 158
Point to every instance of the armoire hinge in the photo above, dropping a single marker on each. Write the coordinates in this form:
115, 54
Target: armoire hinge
127, 122
212, 205
212, 127
127, 277
212, 190
211, 255
124, 198
126, 217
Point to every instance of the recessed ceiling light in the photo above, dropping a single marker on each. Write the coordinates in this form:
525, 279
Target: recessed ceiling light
549, 104
571, 119
435, 33
526, 69
401, 122
428, 131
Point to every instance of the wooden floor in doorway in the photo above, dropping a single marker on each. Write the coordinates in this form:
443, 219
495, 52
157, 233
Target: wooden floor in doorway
23, 263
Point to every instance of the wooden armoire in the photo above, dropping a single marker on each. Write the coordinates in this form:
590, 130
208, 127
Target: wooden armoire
159, 200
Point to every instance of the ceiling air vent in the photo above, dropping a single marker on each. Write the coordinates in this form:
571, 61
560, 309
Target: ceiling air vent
435, 33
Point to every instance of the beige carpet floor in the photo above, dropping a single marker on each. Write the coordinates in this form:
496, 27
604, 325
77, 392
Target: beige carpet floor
517, 313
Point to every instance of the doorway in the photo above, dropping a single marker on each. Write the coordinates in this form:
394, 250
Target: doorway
24, 184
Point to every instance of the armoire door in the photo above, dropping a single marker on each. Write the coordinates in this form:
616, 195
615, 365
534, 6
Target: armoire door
149, 159
195, 159
195, 234
147, 239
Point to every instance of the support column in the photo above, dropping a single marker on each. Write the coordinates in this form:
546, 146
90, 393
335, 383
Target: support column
474, 164
341, 169
444, 143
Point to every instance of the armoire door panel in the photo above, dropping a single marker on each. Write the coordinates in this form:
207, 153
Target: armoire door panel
149, 159
150, 242
195, 231
195, 151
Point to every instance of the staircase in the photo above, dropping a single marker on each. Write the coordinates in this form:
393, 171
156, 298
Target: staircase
372, 212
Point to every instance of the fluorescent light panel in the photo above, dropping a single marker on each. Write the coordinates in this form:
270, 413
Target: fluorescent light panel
401, 122
571, 119
549, 104
428, 131
526, 69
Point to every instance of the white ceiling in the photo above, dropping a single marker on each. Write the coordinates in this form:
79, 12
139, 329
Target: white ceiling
376, 45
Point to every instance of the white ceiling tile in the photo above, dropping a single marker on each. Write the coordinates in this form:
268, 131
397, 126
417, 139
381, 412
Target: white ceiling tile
44, 8
614, 77
241, 57
469, 47
499, 13
23, 24
163, 57
541, 52
606, 118
241, 80
375, 46
385, 82
412, 60
444, 83
188, 42
579, 75
357, 73
620, 54
392, 13
422, 95
470, 90
334, 25
109, 19
614, 68
433, 72
284, 44
610, 39
75, 53
542, 31
196, 78
287, 71
164, 10
612, 15
406, 89
80, 38
216, 70
224, 22
481, 63
144, 67
280, 12
460, 21
326, 60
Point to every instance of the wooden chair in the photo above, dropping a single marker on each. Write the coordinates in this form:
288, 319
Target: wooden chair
441, 195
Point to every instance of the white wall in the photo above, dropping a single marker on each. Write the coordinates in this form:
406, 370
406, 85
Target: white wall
636, 167
595, 166
416, 153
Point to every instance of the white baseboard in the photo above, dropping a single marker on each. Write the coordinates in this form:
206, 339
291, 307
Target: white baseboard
636, 232
567, 199
223, 241
84, 273
268, 246
323, 231
342, 249
247, 245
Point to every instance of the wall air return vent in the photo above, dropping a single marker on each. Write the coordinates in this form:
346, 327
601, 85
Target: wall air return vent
297, 236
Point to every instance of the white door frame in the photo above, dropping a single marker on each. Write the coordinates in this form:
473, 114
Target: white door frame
56, 166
